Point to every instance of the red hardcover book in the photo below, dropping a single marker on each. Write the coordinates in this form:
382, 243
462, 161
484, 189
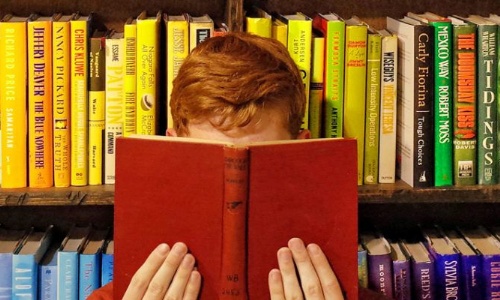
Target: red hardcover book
173, 189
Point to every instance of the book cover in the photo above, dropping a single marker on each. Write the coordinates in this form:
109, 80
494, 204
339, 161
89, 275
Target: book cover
464, 103
147, 73
90, 263
48, 271
496, 18
362, 266
372, 106
68, 256
354, 87
40, 155
61, 91
316, 91
259, 22
25, 263
422, 269
401, 271
279, 31
299, 37
13, 99
190, 180
379, 263
115, 58
200, 28
388, 108
97, 105
130, 77
443, 87
107, 264
415, 159
10, 242
80, 32
333, 29
177, 50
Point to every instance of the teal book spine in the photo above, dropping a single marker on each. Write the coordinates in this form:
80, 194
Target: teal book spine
24, 277
67, 280
90, 274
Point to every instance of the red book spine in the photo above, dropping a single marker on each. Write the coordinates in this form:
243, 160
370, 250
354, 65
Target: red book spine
234, 216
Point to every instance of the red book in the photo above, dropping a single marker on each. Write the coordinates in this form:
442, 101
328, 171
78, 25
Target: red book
173, 189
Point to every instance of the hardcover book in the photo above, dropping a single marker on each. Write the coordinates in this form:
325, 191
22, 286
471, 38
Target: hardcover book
279, 31
422, 269
259, 22
200, 28
107, 264
130, 77
10, 243
379, 263
90, 263
234, 206
47, 273
401, 271
316, 90
362, 266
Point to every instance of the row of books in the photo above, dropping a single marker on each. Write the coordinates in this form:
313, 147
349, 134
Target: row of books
436, 263
40, 265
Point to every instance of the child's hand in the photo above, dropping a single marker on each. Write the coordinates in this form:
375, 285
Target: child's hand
166, 273
315, 278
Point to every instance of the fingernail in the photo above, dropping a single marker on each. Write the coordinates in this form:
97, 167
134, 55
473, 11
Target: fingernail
285, 255
162, 249
313, 249
296, 244
179, 248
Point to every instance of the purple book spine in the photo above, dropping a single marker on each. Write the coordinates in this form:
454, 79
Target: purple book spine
423, 281
401, 279
380, 274
447, 275
470, 278
491, 276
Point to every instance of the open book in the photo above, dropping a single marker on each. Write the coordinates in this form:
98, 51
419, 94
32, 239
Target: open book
234, 206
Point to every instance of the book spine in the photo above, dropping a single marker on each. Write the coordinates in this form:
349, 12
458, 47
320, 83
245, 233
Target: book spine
79, 102
177, 51
89, 274
443, 87
260, 26
490, 275
388, 110
40, 104
464, 112
233, 268
470, 278
380, 274
107, 268
13, 98
372, 116
6, 275
97, 99
147, 76
401, 280
24, 277
130, 79
447, 274
48, 282
114, 103
487, 140
316, 88
363, 268
279, 31
67, 275
423, 157
423, 280
299, 47
355, 89
61, 103
198, 32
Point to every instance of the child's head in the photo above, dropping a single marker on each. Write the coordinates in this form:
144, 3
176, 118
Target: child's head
235, 80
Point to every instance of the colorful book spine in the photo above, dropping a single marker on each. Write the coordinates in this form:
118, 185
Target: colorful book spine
13, 99
379, 263
97, 100
48, 274
362, 266
372, 115
388, 108
80, 32
422, 269
147, 73
401, 272
115, 59
107, 264
130, 77
316, 91
61, 100
355, 89
40, 153
279, 31
259, 22
200, 28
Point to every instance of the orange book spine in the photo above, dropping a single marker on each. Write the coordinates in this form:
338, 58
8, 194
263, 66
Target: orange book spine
233, 269
41, 172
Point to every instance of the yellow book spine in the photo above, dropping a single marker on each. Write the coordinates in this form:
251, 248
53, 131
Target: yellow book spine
279, 31
13, 64
97, 96
115, 57
355, 89
147, 75
130, 79
40, 104
79, 102
259, 26
177, 51
61, 103
317, 87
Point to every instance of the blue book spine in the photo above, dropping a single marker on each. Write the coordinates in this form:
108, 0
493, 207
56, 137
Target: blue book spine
107, 269
491, 276
447, 271
90, 274
48, 281
67, 279
401, 279
380, 274
423, 281
471, 277
6, 277
24, 277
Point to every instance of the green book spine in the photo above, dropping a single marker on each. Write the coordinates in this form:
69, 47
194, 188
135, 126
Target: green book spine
372, 116
443, 91
464, 101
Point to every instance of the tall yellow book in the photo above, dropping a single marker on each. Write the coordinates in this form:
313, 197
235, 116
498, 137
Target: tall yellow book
13, 99
79, 99
200, 29
40, 167
177, 51
299, 46
279, 31
61, 93
355, 86
147, 73
97, 96
130, 77
115, 59
317, 86
259, 22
